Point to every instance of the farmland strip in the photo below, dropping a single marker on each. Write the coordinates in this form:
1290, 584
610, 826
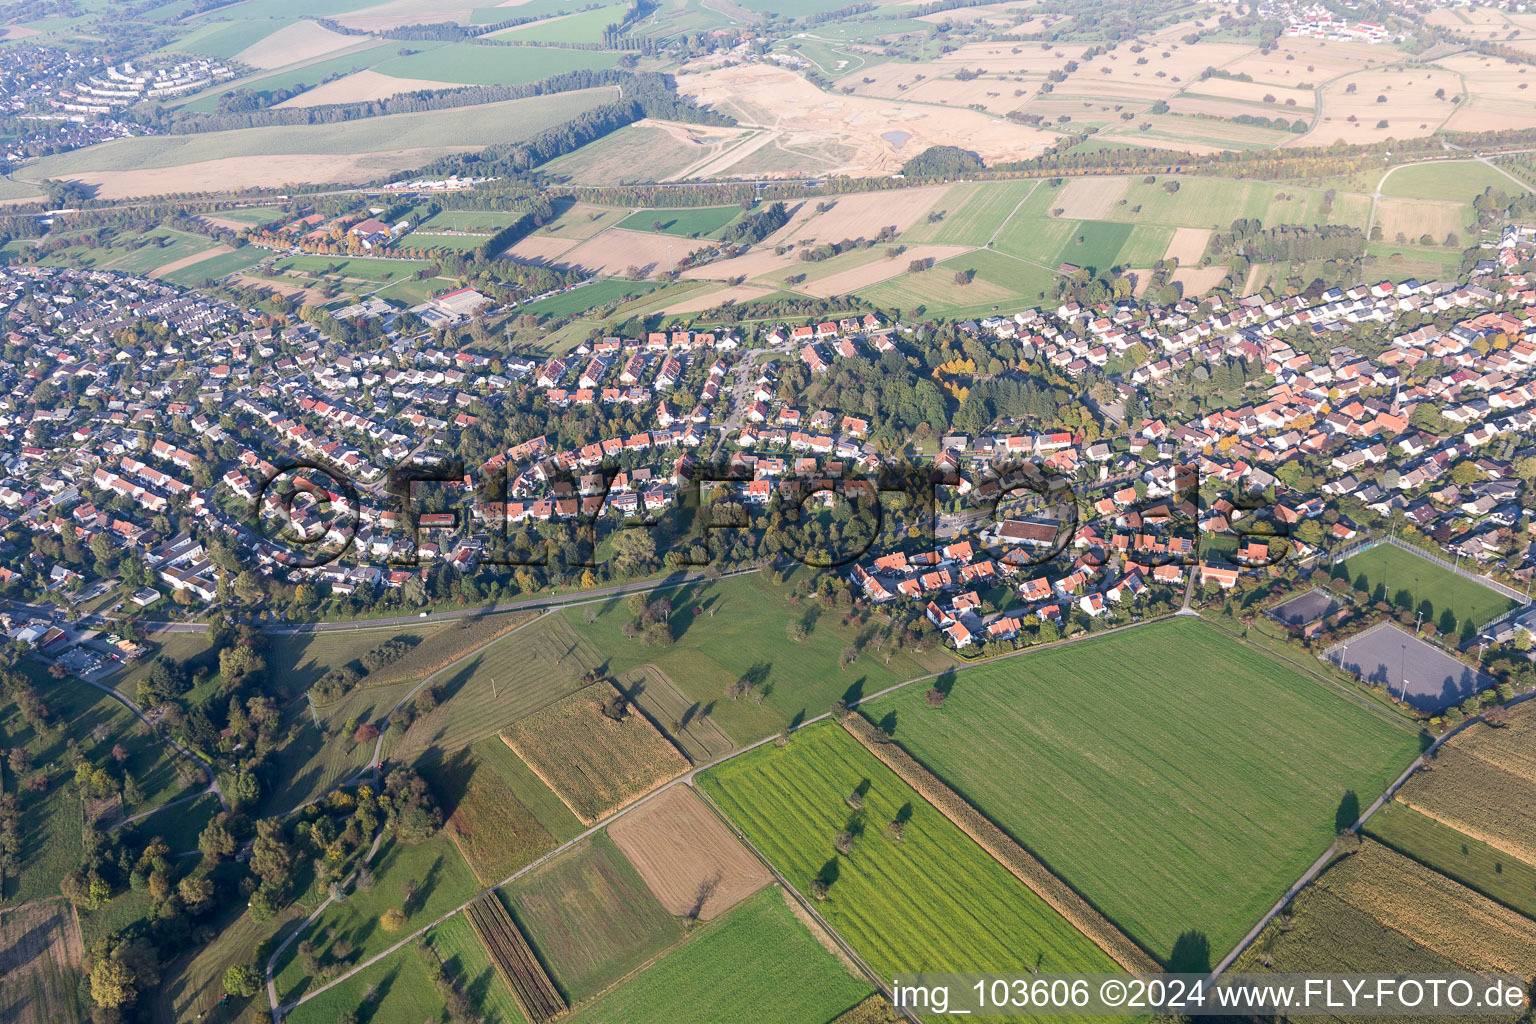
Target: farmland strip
1078, 912
514, 958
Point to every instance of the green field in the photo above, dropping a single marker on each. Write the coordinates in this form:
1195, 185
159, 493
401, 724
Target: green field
412, 292
445, 882
635, 153
469, 965
180, 825
1176, 778
690, 222
356, 267
779, 974
396, 990
1145, 246
419, 239
484, 125
1000, 280
489, 221
308, 75
1094, 243
932, 901
529, 668
300, 659
971, 213
215, 267
588, 296
505, 816
1452, 602
591, 917
1462, 180
225, 39
581, 27
1475, 864
742, 632
475, 64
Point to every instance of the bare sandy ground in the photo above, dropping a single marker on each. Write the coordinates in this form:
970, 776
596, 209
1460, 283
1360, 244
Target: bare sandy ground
301, 41
361, 87
16, 32
616, 250
253, 172
849, 131
187, 261
282, 287
686, 855
541, 249
1410, 108
1199, 280
860, 215
1089, 198
1188, 245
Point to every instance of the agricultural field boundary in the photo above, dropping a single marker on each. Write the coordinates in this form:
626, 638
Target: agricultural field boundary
514, 959
1060, 896
1333, 850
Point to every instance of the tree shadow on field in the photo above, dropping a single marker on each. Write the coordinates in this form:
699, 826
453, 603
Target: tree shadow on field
1191, 954
945, 683
368, 1009
855, 692
1348, 812
829, 872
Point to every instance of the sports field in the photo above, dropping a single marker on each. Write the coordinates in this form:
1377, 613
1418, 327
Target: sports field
1452, 602
215, 266
931, 897
1177, 779
779, 974
588, 296
1462, 180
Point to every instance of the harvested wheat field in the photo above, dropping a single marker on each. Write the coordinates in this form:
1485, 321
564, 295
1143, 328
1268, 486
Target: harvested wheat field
620, 252
754, 264
1500, 95
1089, 198
594, 763
848, 281
1199, 280
1405, 100
1308, 63
802, 115
541, 250
238, 172
1256, 92
687, 856
40, 953
1483, 782
1460, 924
861, 215
1414, 217
1188, 245
1116, 75
361, 87
278, 286
292, 44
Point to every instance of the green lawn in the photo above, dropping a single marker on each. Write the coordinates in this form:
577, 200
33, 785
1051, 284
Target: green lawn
180, 825
490, 221
448, 243
588, 296
413, 292
690, 222
396, 990
300, 659
445, 882
1462, 180
161, 246
1491, 872
475, 64
742, 631
932, 901
1177, 779
1452, 602
591, 917
225, 39
779, 974
309, 75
